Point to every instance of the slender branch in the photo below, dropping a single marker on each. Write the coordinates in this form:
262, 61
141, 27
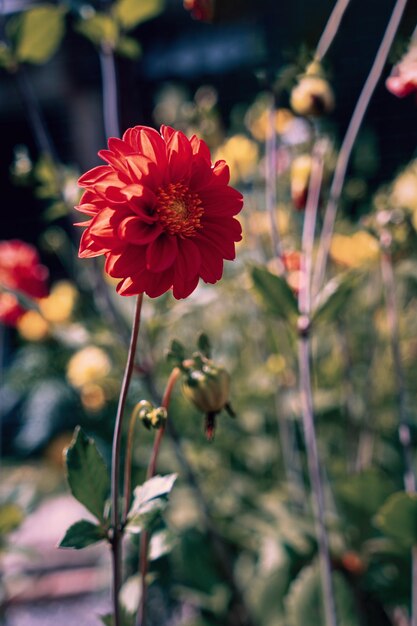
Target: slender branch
349, 141
109, 90
115, 465
144, 539
331, 28
34, 115
304, 348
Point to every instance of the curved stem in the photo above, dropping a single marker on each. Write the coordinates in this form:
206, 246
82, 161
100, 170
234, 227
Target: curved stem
144, 539
115, 464
109, 86
304, 350
271, 176
331, 28
349, 141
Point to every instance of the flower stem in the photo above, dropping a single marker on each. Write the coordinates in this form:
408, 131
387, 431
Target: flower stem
116, 541
144, 539
109, 87
331, 28
349, 141
404, 433
304, 348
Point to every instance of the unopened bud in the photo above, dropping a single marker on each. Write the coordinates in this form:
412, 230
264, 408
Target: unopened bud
208, 388
300, 176
313, 96
150, 416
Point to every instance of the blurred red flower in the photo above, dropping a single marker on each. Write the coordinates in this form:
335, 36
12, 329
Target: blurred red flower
161, 213
200, 9
403, 78
22, 271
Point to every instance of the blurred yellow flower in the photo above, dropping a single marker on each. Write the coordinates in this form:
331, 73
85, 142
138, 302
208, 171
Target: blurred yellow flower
59, 305
404, 189
241, 153
89, 365
32, 326
93, 397
257, 121
54, 452
354, 250
312, 96
300, 176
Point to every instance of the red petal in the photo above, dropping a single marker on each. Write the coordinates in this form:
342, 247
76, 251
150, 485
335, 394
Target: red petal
157, 284
135, 230
92, 176
211, 262
179, 156
161, 253
201, 148
128, 262
187, 269
221, 201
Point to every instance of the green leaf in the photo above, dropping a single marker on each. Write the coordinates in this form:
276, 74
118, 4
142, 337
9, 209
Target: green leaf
130, 13
87, 474
149, 500
129, 47
38, 33
11, 516
276, 295
332, 299
6, 56
305, 602
101, 29
82, 534
204, 345
176, 353
397, 518
125, 619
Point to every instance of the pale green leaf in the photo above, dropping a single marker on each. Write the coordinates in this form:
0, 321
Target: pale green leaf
130, 13
38, 33
82, 534
397, 518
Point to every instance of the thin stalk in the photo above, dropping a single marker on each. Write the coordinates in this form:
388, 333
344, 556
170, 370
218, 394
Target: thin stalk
116, 540
404, 433
349, 141
331, 28
304, 355
109, 91
34, 115
144, 539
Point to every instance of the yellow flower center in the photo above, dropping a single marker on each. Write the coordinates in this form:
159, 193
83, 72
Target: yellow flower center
179, 210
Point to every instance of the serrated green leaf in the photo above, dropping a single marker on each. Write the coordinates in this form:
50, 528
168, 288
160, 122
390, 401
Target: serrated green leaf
332, 299
100, 29
176, 352
82, 534
275, 293
305, 601
149, 501
130, 13
87, 474
38, 33
11, 516
129, 47
397, 518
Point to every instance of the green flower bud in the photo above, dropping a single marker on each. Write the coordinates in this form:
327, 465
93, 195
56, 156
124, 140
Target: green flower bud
208, 388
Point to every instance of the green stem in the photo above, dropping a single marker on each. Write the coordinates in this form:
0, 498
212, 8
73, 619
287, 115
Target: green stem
144, 539
116, 542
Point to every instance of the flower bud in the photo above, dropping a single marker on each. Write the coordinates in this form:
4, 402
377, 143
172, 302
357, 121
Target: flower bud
208, 388
152, 417
300, 176
313, 96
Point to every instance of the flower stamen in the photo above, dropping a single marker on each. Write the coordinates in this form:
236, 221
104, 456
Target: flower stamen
179, 210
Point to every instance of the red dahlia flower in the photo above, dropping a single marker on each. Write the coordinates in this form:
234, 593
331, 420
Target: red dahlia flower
200, 9
161, 213
20, 270
403, 78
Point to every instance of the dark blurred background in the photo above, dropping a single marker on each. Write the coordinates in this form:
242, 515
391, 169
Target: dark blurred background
249, 38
